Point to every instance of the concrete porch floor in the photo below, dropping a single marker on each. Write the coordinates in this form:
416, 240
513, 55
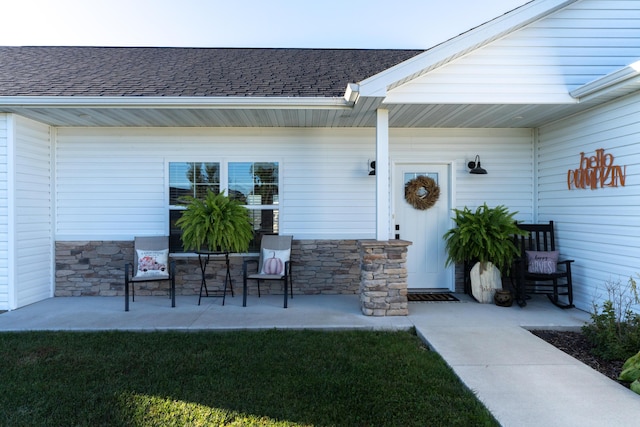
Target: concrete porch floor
521, 379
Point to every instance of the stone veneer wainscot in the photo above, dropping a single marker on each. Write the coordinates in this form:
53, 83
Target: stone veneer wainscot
96, 268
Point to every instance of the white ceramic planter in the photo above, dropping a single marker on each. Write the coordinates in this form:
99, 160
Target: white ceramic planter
484, 282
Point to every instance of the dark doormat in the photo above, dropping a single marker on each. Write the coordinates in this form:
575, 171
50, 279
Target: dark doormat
428, 297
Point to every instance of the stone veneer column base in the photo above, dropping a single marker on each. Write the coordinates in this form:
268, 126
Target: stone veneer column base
383, 280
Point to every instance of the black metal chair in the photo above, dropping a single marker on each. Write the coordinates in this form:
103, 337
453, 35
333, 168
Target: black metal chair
273, 264
150, 264
538, 270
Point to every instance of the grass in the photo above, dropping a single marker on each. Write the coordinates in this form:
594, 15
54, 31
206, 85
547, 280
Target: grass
242, 378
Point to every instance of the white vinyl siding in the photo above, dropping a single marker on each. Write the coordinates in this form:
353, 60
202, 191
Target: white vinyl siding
599, 228
107, 190
112, 184
324, 176
542, 62
505, 153
33, 212
327, 191
4, 214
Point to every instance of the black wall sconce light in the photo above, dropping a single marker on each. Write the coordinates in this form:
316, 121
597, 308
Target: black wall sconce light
475, 167
372, 167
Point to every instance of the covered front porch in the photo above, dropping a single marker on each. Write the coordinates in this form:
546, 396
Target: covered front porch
154, 313
90, 164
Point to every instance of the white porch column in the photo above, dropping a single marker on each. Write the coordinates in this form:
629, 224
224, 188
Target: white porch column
383, 193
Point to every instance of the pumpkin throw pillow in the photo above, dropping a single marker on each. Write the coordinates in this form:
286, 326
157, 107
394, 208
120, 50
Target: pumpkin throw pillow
273, 261
542, 262
152, 263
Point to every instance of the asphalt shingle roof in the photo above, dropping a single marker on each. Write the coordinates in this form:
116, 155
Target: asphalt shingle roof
193, 72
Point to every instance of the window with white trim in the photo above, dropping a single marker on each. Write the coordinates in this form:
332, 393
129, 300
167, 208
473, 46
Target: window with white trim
254, 184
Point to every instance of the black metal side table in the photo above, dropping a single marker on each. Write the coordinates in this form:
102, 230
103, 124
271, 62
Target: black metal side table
203, 259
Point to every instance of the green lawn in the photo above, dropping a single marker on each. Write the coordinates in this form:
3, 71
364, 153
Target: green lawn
266, 378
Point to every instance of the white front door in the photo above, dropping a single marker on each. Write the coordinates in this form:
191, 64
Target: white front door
427, 255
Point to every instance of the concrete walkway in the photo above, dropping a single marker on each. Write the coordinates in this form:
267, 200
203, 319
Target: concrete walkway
520, 378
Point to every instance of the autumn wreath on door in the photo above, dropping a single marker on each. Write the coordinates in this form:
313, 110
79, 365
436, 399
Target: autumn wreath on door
421, 192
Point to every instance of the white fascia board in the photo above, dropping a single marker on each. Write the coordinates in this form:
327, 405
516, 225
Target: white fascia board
174, 102
617, 78
441, 54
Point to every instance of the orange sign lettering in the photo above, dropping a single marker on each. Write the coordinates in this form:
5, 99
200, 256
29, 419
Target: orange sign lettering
596, 172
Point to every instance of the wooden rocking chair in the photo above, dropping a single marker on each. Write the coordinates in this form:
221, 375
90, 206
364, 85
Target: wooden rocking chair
538, 270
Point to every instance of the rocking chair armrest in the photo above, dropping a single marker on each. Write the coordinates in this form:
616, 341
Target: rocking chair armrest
567, 265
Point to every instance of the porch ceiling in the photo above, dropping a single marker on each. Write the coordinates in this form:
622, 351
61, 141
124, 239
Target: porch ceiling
360, 115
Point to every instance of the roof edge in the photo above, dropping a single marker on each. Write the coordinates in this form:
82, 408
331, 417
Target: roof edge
174, 102
606, 82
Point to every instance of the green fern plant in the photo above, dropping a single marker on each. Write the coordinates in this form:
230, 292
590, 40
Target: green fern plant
485, 235
215, 223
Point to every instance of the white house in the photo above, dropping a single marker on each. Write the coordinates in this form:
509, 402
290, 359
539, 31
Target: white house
95, 142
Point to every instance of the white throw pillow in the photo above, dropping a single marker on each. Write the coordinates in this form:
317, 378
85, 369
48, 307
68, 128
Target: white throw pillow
153, 263
273, 261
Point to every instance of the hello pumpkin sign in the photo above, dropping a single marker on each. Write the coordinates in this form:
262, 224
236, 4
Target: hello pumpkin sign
598, 171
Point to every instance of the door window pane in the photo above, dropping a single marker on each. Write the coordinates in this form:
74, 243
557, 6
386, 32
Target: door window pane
408, 176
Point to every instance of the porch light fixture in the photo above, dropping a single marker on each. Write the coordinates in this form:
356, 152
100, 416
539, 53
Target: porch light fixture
475, 167
372, 167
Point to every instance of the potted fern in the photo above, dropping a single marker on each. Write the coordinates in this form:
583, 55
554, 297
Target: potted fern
215, 223
483, 236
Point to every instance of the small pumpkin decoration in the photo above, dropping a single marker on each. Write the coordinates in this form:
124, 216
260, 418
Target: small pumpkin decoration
273, 265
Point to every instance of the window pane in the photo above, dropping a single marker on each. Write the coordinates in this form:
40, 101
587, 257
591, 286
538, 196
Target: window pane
265, 221
192, 179
179, 183
209, 173
240, 181
201, 190
254, 183
175, 242
266, 182
268, 194
206, 176
266, 173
